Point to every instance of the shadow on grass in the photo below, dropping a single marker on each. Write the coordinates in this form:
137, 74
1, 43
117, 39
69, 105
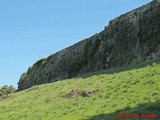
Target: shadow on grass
148, 111
133, 65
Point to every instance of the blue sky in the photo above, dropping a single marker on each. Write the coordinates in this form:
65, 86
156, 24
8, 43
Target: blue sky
33, 29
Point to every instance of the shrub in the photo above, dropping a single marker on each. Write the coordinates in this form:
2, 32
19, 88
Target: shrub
5, 90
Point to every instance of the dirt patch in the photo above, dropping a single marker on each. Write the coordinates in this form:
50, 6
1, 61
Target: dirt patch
72, 94
83, 93
4, 97
86, 93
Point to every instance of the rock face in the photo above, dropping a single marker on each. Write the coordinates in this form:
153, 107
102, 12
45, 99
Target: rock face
134, 35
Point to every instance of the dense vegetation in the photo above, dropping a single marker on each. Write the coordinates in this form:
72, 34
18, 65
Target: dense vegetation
5, 90
129, 89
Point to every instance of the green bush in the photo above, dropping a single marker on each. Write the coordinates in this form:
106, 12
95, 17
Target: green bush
5, 90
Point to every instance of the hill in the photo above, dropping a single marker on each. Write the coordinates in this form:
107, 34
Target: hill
101, 95
134, 35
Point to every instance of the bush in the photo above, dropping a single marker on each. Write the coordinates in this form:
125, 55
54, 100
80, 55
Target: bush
5, 90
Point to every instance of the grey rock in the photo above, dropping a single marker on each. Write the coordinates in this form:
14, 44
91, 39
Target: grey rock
134, 35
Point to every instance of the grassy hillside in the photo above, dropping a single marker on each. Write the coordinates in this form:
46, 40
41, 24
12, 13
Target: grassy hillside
118, 90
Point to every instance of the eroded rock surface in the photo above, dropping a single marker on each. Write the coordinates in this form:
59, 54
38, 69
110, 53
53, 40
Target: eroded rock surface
134, 35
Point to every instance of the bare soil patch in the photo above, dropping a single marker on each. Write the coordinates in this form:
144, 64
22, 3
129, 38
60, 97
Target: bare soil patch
83, 93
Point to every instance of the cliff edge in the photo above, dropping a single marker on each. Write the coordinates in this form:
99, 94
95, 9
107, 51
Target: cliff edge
134, 35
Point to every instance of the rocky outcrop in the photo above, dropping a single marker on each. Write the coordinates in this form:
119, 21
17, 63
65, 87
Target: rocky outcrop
134, 35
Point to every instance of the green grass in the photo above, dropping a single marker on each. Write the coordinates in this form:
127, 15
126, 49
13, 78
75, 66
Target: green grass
121, 91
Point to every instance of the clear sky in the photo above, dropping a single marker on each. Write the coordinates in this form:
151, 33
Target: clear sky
33, 29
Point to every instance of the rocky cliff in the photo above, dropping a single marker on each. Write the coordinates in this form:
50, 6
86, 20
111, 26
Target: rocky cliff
134, 35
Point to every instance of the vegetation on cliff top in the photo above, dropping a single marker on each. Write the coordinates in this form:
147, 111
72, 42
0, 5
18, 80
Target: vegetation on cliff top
130, 89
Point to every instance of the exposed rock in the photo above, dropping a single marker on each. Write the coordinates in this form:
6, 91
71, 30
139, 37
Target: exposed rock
86, 93
134, 35
72, 94
83, 93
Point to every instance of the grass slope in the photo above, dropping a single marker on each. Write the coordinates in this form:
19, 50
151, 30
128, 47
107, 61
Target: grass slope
121, 91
